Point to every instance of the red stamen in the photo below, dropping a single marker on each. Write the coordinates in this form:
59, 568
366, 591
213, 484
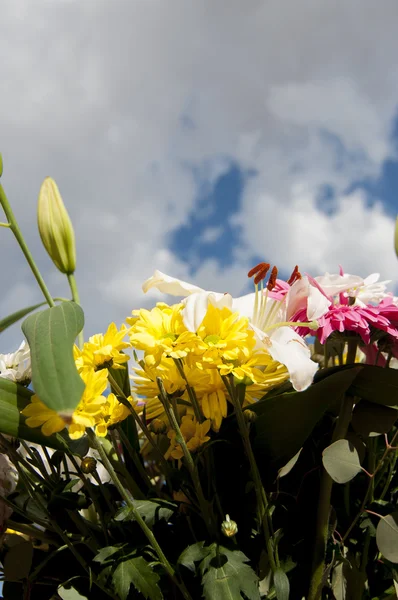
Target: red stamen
272, 279
260, 271
258, 268
294, 276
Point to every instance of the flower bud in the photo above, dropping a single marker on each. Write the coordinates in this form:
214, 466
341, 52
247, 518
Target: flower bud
250, 416
158, 426
55, 227
228, 527
88, 465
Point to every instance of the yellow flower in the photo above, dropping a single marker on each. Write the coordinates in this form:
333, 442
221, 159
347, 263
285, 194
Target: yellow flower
145, 385
85, 415
223, 336
212, 397
113, 412
194, 433
38, 415
159, 332
103, 350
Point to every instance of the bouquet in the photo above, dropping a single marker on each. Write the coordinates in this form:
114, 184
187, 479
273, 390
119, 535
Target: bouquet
212, 447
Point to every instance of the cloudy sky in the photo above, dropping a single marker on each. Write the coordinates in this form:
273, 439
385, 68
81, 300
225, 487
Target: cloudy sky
198, 137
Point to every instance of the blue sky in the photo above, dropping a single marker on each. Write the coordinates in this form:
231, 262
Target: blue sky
197, 139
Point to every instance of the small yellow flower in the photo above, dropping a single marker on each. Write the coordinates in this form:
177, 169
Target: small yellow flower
223, 336
194, 433
212, 398
103, 350
160, 332
85, 415
113, 412
38, 415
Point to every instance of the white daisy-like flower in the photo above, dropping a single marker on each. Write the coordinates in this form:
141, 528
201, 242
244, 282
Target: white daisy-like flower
16, 365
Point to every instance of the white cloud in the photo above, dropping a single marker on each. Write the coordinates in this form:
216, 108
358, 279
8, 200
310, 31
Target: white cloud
117, 101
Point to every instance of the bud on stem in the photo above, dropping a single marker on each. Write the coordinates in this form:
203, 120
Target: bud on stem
55, 227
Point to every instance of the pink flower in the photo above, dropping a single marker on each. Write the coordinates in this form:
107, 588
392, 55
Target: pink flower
343, 317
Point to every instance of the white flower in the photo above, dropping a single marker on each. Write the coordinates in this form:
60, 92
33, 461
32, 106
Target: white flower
364, 291
16, 365
266, 316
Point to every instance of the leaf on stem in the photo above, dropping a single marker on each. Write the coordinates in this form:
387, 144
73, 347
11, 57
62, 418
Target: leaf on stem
341, 461
51, 334
387, 536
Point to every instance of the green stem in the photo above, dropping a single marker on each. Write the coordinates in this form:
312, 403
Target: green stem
20, 239
261, 496
203, 503
75, 298
190, 390
144, 527
322, 522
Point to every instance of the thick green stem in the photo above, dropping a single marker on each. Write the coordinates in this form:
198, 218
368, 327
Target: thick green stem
322, 522
203, 503
20, 239
76, 298
261, 496
144, 527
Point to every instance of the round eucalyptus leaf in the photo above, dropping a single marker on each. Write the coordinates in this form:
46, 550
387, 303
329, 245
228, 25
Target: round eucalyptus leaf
387, 536
341, 461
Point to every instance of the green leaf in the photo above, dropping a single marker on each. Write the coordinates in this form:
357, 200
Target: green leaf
136, 570
281, 584
51, 334
19, 314
192, 554
373, 419
289, 466
13, 398
339, 582
286, 421
227, 576
387, 536
106, 553
341, 461
70, 593
376, 384
151, 511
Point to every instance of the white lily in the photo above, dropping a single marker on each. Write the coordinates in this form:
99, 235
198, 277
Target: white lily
16, 365
267, 318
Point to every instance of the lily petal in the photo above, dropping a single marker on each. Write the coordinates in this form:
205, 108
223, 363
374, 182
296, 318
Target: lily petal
170, 285
288, 348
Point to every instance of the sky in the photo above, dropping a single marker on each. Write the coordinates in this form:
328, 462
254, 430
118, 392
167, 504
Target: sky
198, 138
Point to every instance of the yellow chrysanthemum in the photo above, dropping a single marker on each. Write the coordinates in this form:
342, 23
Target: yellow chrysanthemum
145, 386
103, 350
212, 397
223, 336
88, 409
112, 413
160, 332
194, 433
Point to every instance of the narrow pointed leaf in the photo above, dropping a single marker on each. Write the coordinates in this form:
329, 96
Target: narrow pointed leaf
16, 316
341, 461
51, 334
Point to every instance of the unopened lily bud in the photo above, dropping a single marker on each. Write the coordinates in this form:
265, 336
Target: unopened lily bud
228, 527
55, 227
396, 237
88, 465
158, 426
250, 416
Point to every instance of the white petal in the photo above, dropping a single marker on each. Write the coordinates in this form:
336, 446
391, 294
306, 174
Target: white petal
195, 307
288, 348
336, 284
244, 305
170, 285
317, 304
